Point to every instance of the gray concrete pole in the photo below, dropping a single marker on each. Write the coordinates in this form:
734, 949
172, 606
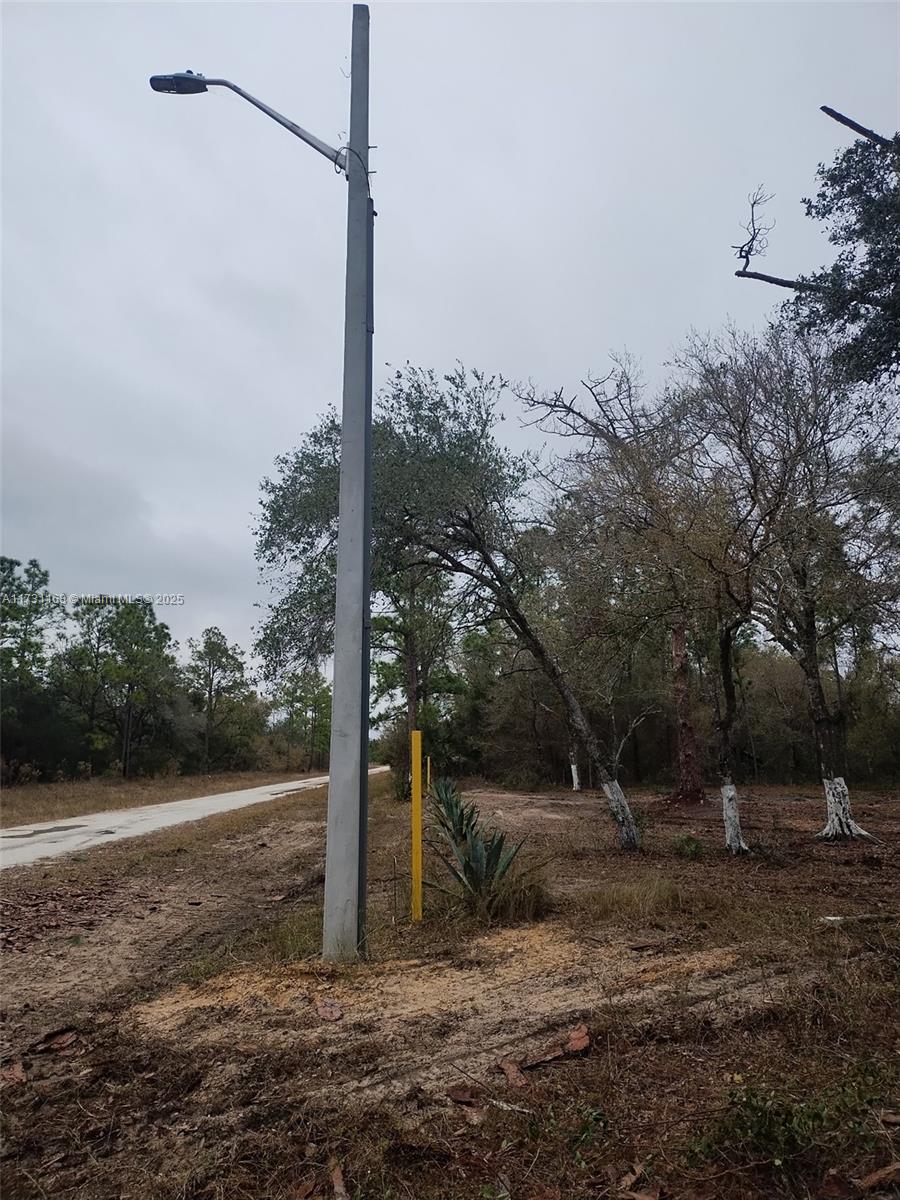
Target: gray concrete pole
343, 935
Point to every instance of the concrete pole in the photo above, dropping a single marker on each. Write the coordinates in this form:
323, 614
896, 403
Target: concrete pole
343, 936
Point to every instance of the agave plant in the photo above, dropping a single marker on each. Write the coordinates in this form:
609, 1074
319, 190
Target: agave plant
478, 859
454, 819
481, 864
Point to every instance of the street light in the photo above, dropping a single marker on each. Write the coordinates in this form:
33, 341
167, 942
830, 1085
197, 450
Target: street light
183, 83
343, 935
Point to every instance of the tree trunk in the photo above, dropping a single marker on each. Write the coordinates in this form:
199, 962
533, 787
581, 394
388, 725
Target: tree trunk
615, 797
126, 740
689, 789
411, 687
636, 757
515, 618
412, 684
749, 726
629, 837
839, 823
734, 840
839, 826
573, 764
313, 730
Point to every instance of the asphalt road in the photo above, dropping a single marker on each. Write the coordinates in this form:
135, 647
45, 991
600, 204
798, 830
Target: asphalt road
24, 844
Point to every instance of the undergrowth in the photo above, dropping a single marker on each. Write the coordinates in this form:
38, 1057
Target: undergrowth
787, 1133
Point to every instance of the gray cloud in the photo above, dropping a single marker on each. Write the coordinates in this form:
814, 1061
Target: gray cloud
554, 181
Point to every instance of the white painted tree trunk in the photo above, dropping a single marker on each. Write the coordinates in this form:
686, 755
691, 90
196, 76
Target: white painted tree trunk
622, 814
734, 840
576, 780
839, 825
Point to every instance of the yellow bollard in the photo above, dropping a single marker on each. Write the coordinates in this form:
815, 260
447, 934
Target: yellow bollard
416, 873
428, 773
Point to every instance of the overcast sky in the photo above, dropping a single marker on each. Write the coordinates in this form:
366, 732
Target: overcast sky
554, 181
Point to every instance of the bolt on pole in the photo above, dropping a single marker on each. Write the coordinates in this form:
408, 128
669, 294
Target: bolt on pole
344, 929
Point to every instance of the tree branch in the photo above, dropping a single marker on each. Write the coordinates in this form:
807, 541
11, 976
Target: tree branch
870, 134
804, 285
797, 285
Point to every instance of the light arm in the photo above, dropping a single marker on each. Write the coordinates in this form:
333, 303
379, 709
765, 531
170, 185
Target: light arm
187, 83
338, 157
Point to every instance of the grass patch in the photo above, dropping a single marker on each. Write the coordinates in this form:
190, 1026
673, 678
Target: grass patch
687, 846
290, 938
297, 935
648, 899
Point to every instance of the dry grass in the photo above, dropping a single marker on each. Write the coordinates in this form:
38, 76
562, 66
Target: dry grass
37, 802
642, 901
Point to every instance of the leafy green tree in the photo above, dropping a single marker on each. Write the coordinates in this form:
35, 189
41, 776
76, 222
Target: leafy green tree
38, 737
469, 512
217, 683
28, 617
417, 613
301, 705
118, 671
856, 301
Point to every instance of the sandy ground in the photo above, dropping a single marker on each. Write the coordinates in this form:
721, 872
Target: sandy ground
158, 1041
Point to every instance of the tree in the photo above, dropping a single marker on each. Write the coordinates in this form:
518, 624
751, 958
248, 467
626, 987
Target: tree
415, 614
28, 616
448, 518
466, 512
855, 301
633, 474
216, 678
38, 738
814, 471
118, 671
302, 707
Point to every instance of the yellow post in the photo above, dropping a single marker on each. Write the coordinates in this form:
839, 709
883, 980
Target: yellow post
427, 772
416, 825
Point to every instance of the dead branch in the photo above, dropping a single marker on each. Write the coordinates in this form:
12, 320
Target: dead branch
757, 239
869, 134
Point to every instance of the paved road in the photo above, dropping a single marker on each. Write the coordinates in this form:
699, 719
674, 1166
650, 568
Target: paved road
25, 844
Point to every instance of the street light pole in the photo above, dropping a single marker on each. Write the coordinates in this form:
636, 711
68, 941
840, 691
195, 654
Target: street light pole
343, 934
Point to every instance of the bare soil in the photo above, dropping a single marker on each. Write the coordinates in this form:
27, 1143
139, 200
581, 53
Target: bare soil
168, 1030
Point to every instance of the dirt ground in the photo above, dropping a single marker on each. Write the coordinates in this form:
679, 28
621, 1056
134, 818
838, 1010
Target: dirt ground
681, 1025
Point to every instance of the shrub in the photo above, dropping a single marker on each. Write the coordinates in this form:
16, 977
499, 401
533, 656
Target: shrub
687, 846
27, 773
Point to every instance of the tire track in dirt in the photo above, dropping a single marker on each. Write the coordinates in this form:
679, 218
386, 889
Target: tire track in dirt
126, 936
408, 1029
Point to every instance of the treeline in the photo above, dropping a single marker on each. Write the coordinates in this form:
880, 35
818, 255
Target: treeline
502, 722
694, 583
97, 688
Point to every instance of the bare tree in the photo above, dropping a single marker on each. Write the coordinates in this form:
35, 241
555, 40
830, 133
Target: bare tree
813, 470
